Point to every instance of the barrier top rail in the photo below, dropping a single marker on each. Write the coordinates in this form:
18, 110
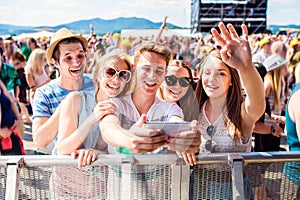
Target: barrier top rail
157, 159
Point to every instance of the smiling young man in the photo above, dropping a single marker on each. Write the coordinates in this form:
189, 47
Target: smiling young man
68, 53
124, 129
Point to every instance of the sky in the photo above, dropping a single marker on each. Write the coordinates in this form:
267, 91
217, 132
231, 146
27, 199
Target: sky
56, 12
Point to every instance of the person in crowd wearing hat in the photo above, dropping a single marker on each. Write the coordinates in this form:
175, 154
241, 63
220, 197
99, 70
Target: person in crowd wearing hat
67, 52
264, 51
293, 57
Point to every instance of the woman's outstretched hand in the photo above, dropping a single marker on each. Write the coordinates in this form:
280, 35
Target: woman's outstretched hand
235, 50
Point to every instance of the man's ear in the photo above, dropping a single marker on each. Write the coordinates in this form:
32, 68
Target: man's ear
56, 63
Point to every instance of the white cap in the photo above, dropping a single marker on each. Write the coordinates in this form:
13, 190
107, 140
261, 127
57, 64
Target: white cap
274, 61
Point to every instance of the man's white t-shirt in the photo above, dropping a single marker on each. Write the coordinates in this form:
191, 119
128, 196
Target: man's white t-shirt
128, 114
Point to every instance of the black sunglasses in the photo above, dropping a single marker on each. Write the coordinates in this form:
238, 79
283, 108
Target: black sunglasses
209, 131
172, 80
124, 75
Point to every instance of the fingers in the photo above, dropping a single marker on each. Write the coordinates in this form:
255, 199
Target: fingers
232, 31
190, 159
147, 144
142, 120
245, 31
86, 157
224, 31
218, 37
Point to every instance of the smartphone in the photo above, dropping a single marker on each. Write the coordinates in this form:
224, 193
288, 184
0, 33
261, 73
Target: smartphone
169, 127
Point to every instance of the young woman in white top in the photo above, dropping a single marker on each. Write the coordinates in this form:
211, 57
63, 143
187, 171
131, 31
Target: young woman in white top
36, 72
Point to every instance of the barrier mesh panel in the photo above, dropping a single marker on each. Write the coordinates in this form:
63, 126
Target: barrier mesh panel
147, 182
211, 181
63, 182
2, 182
151, 182
271, 180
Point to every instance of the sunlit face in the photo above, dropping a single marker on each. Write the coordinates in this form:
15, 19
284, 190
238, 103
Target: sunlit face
151, 69
216, 78
178, 76
112, 84
43, 61
72, 61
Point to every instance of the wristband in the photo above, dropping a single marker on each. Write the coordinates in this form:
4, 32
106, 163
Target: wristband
273, 129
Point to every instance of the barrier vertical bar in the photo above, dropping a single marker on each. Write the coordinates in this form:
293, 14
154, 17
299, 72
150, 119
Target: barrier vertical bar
236, 163
126, 186
13, 178
180, 180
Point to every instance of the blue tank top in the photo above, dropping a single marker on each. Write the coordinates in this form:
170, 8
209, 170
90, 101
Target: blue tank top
292, 169
292, 137
8, 116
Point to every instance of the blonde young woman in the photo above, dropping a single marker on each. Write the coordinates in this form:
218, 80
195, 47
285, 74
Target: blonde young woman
36, 72
80, 130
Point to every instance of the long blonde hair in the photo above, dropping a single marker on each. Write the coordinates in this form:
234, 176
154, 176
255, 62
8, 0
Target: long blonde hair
34, 60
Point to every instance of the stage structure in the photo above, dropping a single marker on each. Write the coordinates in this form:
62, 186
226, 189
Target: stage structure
206, 14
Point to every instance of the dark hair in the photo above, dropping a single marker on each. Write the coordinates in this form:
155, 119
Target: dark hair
1, 51
19, 56
56, 51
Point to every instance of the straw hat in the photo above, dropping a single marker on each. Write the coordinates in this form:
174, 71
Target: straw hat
61, 34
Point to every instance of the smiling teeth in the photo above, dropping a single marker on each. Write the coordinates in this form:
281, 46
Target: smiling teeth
175, 92
114, 87
213, 87
75, 70
150, 83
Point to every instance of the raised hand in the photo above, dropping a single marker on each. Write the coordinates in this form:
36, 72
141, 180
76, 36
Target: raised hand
235, 50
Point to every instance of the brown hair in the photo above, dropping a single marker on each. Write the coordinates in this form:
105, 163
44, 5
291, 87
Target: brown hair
234, 96
19, 56
155, 47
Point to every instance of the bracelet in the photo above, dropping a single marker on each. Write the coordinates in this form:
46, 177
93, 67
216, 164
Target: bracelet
273, 129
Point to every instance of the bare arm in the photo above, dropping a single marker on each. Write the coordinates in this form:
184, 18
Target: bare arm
161, 29
44, 129
70, 135
30, 81
237, 54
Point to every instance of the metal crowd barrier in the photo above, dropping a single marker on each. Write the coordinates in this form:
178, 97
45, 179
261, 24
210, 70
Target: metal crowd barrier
216, 176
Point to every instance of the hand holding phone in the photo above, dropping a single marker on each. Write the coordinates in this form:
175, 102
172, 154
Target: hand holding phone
169, 127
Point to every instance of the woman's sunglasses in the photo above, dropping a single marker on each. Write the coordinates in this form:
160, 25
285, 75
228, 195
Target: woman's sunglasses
124, 75
209, 131
172, 80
